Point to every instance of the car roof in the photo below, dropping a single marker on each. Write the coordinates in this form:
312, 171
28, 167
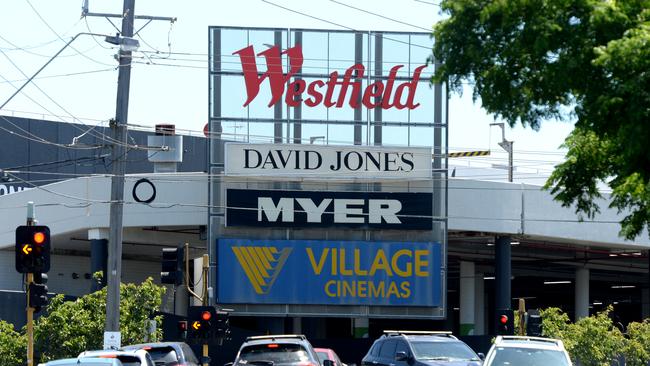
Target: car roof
529, 342
130, 352
427, 336
77, 361
277, 338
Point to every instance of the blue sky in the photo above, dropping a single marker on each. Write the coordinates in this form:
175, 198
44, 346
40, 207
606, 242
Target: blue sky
82, 81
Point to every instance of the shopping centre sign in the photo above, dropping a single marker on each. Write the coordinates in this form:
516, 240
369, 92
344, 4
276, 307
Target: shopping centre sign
327, 162
377, 94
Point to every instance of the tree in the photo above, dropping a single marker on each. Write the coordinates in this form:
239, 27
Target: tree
71, 327
13, 345
581, 60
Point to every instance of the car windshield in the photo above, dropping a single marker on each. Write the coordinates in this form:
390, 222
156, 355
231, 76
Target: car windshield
442, 351
511, 356
273, 354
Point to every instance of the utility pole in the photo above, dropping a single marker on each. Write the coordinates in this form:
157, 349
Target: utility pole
30, 310
507, 146
112, 337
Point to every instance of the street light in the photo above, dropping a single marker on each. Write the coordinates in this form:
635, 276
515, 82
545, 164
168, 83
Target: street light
127, 44
507, 146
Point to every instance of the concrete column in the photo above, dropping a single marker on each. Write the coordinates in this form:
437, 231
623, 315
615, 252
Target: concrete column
503, 272
296, 325
198, 280
582, 293
479, 304
645, 303
361, 326
467, 296
98, 256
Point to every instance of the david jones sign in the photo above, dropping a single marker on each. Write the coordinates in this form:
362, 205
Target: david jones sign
328, 162
376, 94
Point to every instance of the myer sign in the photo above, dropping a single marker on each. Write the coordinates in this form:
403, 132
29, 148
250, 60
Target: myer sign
310, 161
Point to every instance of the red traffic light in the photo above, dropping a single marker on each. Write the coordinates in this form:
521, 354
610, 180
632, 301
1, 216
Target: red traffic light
39, 237
503, 319
206, 315
182, 325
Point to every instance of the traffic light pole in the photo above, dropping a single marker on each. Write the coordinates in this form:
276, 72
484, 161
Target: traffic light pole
30, 310
206, 268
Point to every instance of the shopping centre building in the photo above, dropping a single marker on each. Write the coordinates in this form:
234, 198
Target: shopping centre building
321, 193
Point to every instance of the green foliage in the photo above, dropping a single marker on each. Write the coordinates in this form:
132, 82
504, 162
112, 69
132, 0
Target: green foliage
595, 341
13, 345
637, 349
582, 60
71, 327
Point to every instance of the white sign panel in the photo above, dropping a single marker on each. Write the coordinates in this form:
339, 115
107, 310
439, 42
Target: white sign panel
112, 340
327, 162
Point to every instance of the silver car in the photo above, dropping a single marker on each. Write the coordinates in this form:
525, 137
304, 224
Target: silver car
527, 351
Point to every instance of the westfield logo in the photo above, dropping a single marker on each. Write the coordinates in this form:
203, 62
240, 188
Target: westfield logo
337, 91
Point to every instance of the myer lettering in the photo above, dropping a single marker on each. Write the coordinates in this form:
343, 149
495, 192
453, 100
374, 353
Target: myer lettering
332, 161
376, 94
381, 210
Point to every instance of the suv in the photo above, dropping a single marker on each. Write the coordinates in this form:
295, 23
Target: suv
167, 353
278, 350
530, 351
84, 362
418, 348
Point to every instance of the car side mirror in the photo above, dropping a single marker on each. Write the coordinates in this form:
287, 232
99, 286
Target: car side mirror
481, 355
401, 356
328, 363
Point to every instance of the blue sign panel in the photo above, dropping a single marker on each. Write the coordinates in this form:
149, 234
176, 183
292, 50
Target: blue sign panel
329, 272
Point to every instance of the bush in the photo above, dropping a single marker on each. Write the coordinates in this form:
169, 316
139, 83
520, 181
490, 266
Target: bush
13, 345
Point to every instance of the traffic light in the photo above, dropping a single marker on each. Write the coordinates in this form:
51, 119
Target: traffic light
172, 266
199, 323
38, 292
534, 323
221, 326
33, 249
182, 329
505, 322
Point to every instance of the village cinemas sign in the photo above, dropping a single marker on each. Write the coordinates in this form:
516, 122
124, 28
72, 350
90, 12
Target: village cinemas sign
327, 162
364, 210
348, 86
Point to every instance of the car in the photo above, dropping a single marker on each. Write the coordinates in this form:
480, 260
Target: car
84, 362
529, 351
167, 353
128, 358
328, 354
420, 348
278, 350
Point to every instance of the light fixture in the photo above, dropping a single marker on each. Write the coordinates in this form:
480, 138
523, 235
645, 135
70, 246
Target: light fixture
598, 303
514, 243
556, 282
488, 277
623, 286
126, 44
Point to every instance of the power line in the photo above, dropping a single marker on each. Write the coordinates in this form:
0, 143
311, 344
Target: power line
380, 16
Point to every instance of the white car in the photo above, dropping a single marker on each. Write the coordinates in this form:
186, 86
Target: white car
128, 358
527, 351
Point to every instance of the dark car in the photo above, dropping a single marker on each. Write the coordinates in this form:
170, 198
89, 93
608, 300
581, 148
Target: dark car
168, 353
278, 350
416, 348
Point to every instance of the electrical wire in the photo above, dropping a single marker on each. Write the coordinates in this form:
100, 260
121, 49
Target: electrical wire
61, 38
336, 24
380, 16
59, 75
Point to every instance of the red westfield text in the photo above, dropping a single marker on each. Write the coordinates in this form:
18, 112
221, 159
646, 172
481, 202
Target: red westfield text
376, 94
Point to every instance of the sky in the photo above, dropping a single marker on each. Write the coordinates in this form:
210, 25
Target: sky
80, 84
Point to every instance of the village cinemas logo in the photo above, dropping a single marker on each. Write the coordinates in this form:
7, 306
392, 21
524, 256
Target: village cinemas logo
376, 94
